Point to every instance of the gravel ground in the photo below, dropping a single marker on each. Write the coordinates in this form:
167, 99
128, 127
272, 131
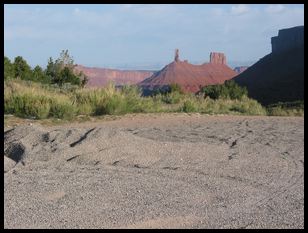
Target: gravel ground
156, 171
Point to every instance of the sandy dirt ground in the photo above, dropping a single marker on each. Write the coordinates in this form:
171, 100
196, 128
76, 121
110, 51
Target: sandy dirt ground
156, 171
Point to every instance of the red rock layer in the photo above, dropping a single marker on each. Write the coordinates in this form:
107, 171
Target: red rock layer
99, 77
190, 77
218, 58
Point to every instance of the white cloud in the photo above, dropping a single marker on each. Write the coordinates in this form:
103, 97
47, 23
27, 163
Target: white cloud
275, 8
76, 10
127, 6
239, 9
217, 11
152, 29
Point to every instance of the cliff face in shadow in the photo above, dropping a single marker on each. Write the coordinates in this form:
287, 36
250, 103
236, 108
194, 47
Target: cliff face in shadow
279, 76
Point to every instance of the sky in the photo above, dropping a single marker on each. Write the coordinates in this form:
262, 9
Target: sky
144, 35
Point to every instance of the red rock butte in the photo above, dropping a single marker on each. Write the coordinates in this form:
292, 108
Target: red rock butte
190, 77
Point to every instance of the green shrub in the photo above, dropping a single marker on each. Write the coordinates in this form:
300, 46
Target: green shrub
189, 106
175, 87
29, 99
248, 106
85, 109
228, 90
293, 108
62, 109
171, 98
9, 71
27, 105
113, 105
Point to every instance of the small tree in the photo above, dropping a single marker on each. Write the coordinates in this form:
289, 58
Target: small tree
21, 68
39, 75
51, 69
8, 69
62, 71
84, 79
65, 60
67, 76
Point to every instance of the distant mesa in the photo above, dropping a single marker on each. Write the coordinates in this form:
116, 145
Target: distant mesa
99, 77
279, 76
190, 77
240, 69
218, 58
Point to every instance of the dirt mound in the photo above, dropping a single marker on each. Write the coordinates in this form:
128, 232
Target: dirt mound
25, 145
190, 77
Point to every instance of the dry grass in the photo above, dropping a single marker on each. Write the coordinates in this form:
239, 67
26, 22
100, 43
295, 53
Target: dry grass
39, 101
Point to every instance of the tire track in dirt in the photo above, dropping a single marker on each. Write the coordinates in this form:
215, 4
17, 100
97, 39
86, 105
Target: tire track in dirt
142, 174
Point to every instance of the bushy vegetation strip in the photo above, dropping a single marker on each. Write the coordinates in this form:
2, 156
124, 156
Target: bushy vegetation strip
58, 92
37, 100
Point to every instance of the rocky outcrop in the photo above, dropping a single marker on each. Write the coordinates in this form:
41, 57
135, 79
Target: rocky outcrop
240, 69
99, 77
289, 38
279, 76
176, 56
190, 77
218, 58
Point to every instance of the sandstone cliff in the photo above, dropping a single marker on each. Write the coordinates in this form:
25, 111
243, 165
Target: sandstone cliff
218, 58
279, 76
190, 77
99, 77
289, 38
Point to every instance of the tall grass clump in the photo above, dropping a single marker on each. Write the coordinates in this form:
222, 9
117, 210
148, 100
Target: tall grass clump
88, 101
62, 108
27, 105
112, 101
243, 106
294, 108
189, 106
28, 99
248, 106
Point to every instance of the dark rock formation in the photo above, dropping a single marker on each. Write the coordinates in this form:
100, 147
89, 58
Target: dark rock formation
190, 77
289, 38
99, 77
240, 69
176, 56
218, 58
279, 76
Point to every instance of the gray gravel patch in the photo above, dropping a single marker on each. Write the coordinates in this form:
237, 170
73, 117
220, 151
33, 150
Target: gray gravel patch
156, 172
